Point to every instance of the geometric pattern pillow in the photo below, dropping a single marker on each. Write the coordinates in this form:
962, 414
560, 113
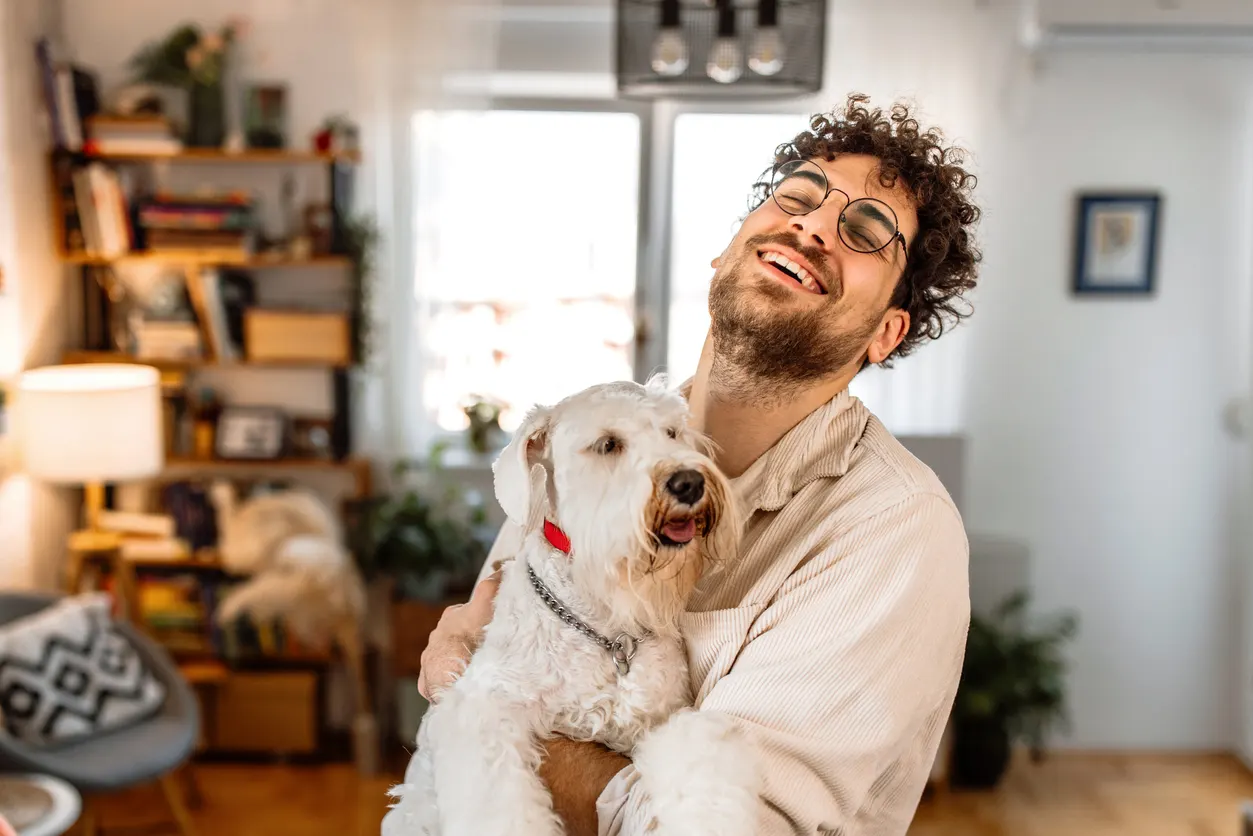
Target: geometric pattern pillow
67, 673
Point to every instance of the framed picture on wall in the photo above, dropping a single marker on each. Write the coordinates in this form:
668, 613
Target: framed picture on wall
1116, 243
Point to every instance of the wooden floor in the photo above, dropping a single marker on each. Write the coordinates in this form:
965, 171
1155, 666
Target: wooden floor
1092, 795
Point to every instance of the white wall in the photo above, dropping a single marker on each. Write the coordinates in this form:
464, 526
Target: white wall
1097, 424
34, 518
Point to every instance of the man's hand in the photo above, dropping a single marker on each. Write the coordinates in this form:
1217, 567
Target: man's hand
455, 639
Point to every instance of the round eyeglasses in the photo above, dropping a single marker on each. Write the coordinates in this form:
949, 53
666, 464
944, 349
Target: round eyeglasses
866, 225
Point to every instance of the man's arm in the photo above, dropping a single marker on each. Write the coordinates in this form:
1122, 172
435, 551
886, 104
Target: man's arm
846, 678
576, 774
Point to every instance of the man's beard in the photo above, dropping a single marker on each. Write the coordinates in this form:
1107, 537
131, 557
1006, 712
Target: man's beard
762, 348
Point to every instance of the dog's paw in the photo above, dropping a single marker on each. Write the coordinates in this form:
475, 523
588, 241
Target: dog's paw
700, 772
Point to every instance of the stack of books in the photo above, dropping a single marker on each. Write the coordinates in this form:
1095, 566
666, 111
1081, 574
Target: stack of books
220, 224
143, 134
145, 536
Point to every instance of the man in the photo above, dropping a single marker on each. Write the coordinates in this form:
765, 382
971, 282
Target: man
837, 637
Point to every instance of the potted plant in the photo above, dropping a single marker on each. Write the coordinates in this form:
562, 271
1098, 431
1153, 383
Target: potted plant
1012, 689
194, 60
484, 430
359, 240
428, 538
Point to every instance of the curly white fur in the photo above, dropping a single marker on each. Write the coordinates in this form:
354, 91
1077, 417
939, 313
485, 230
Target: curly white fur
533, 676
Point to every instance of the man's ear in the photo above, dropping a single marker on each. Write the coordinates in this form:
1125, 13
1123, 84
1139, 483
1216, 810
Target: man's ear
512, 471
892, 330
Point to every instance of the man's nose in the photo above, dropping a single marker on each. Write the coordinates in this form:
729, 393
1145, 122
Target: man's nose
818, 227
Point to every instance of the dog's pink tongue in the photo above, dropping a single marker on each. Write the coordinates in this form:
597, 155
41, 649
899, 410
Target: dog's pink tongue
680, 532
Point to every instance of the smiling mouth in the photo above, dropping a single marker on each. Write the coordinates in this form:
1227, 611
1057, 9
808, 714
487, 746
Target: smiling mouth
784, 267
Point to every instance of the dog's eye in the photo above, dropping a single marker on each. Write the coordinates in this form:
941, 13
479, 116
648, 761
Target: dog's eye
672, 432
607, 445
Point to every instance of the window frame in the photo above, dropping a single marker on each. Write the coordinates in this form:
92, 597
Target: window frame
654, 230
647, 297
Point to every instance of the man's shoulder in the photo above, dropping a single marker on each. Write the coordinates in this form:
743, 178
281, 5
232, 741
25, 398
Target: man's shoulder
883, 474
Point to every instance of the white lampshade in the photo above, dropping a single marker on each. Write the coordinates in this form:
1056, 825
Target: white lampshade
91, 422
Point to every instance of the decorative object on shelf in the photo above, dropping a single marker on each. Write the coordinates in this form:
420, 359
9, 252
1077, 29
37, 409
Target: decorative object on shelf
1116, 243
484, 431
194, 60
428, 537
311, 438
89, 425
205, 412
318, 221
337, 135
251, 432
1012, 688
266, 125
697, 48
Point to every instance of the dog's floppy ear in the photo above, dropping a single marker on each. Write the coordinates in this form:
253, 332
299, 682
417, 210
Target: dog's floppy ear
512, 470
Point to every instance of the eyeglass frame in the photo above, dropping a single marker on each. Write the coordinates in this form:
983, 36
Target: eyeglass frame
839, 228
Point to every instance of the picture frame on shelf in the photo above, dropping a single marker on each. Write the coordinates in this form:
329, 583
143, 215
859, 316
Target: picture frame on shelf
1116, 243
266, 125
251, 433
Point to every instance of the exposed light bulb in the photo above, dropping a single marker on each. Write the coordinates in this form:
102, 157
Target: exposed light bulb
669, 52
725, 62
767, 54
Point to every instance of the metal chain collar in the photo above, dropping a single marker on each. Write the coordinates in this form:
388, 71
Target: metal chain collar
622, 648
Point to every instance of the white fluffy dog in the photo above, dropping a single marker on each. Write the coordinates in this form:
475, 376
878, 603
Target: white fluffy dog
622, 514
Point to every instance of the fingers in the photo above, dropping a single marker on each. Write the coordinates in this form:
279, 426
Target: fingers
454, 639
479, 608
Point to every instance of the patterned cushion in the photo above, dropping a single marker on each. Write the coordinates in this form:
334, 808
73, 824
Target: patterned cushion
67, 673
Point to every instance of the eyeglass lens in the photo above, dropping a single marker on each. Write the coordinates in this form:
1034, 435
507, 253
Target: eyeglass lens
867, 225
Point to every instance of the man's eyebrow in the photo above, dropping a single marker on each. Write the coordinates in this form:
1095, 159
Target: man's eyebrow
868, 207
812, 176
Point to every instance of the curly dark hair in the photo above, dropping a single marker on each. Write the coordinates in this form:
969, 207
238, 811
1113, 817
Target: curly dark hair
942, 257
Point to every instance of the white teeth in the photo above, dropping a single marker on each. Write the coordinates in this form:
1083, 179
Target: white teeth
801, 273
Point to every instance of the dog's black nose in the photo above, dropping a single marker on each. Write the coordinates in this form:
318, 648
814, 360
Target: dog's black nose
687, 486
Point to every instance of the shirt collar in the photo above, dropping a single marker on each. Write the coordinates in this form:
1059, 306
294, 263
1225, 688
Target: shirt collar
820, 446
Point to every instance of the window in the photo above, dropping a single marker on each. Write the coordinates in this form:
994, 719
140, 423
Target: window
525, 256
717, 158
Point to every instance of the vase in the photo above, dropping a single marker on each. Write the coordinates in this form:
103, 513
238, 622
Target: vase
206, 116
980, 756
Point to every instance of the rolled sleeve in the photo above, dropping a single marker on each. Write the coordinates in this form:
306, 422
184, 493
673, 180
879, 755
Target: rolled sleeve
618, 804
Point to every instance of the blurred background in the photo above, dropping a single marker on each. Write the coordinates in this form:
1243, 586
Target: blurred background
307, 263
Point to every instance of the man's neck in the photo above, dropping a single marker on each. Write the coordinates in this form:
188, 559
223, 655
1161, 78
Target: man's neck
743, 428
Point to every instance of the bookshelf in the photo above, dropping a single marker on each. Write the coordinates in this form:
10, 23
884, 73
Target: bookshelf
217, 156
189, 365
252, 262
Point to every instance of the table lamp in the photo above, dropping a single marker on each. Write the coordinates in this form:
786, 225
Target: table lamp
90, 424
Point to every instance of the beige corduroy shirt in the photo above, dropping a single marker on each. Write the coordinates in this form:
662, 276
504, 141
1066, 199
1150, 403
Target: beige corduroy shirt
837, 636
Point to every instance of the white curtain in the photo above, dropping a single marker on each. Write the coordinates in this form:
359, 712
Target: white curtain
409, 53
